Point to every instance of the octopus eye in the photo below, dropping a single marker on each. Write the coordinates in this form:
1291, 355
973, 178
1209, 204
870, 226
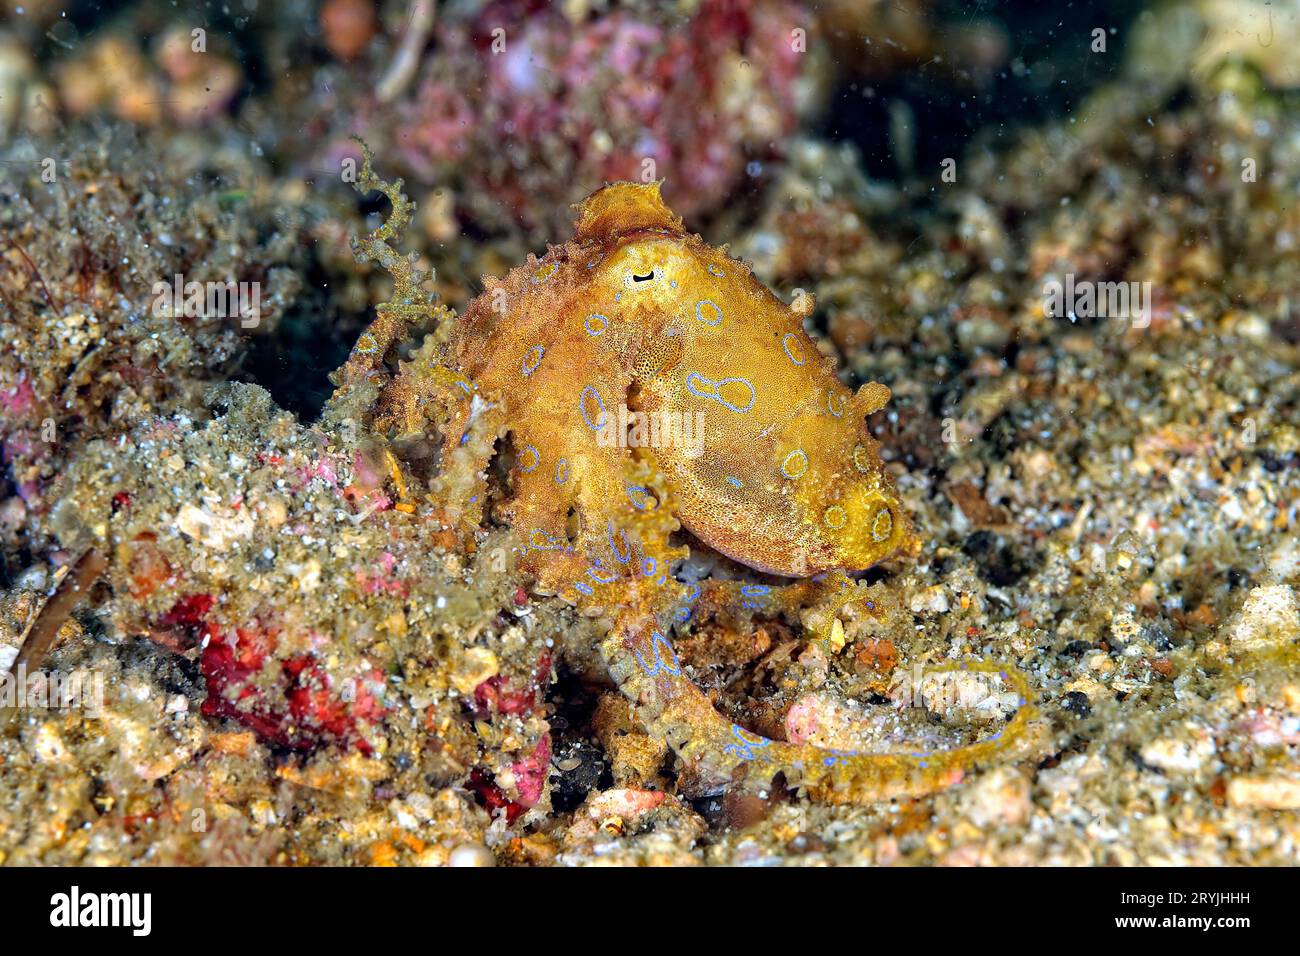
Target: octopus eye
645, 278
882, 525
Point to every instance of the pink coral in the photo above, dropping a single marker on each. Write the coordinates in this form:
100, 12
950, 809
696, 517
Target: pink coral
18, 401
550, 109
530, 772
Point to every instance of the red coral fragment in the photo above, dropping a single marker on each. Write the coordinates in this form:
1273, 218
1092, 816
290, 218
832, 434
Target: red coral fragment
189, 611
313, 701
491, 796
495, 695
308, 710
179, 628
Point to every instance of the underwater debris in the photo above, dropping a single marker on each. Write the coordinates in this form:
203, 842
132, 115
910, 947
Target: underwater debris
45, 623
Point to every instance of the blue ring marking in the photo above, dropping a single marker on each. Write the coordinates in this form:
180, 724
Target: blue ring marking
584, 589
600, 257
582, 407
641, 490
464, 386
715, 271
621, 558
553, 266
464, 439
670, 666
561, 471
604, 324
591, 573
753, 394
648, 567
684, 612
717, 310
537, 459
716, 394
843, 517
551, 543
754, 594
785, 344
734, 482
690, 386
785, 462
747, 743
830, 404
527, 367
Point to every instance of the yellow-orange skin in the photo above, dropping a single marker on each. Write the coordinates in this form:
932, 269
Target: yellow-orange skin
784, 478
635, 311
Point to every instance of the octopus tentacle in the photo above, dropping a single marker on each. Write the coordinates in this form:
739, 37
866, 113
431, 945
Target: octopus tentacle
814, 602
409, 303
469, 440
639, 653
645, 667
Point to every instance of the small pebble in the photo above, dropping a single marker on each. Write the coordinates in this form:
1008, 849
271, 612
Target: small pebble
471, 854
